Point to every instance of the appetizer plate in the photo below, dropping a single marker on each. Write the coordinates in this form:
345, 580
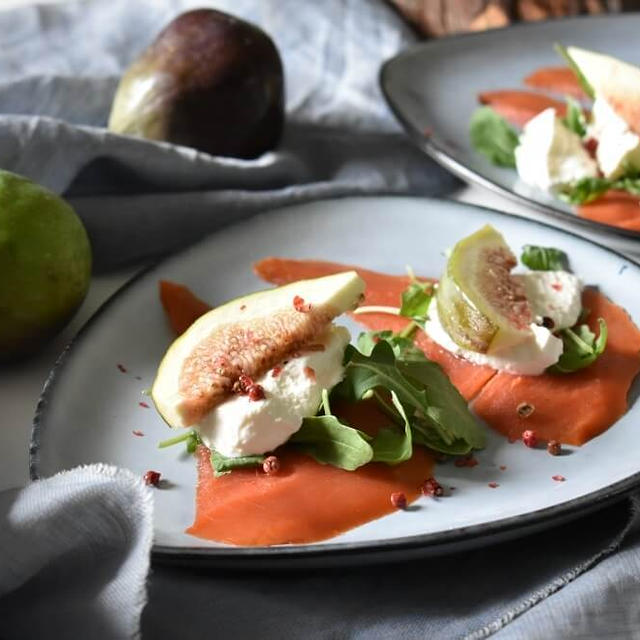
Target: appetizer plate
94, 399
432, 89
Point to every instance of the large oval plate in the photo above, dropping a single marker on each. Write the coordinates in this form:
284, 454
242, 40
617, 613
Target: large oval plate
91, 403
432, 88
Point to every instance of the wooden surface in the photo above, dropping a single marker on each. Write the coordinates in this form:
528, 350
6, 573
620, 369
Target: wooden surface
441, 17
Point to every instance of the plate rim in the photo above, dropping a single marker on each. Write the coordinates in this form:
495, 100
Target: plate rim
448, 540
458, 168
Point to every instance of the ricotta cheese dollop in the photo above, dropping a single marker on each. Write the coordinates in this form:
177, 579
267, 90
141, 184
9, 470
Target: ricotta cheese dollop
618, 148
241, 426
552, 294
549, 154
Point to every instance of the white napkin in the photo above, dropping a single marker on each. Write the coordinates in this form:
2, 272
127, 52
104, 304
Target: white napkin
74, 555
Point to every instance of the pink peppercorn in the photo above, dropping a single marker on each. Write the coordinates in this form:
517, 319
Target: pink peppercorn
399, 500
530, 438
255, 392
152, 478
432, 487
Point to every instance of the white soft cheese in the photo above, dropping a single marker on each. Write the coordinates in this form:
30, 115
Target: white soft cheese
549, 154
242, 427
618, 148
554, 294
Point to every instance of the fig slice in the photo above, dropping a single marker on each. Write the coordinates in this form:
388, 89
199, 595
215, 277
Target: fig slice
246, 337
481, 305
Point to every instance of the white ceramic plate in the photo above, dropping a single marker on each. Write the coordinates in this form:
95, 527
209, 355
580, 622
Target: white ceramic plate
90, 407
433, 87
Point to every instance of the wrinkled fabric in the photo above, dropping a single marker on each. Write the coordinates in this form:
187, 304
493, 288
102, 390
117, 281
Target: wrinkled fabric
74, 555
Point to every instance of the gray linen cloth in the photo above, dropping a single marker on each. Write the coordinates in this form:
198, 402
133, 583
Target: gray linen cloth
59, 66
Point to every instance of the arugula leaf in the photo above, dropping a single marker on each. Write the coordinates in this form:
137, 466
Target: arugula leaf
420, 385
584, 190
329, 441
447, 412
403, 348
588, 189
391, 446
416, 299
630, 183
544, 258
586, 87
575, 120
581, 348
492, 136
221, 464
424, 435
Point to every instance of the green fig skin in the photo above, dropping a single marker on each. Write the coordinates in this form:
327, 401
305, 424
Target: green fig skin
209, 81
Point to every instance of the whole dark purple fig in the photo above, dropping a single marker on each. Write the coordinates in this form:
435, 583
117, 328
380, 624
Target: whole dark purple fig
209, 81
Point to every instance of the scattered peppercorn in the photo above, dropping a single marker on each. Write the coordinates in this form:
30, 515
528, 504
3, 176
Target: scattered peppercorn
431, 487
271, 465
530, 438
554, 448
242, 384
151, 478
299, 305
121, 368
255, 392
525, 409
399, 500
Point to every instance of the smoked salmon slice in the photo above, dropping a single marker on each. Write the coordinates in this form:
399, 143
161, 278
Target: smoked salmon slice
182, 307
304, 502
618, 208
560, 80
518, 107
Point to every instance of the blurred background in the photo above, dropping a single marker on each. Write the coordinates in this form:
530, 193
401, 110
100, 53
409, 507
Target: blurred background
436, 18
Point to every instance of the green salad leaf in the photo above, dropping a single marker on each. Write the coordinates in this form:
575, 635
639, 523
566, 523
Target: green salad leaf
586, 87
416, 299
390, 445
447, 413
422, 388
544, 258
329, 441
588, 189
575, 119
631, 183
221, 464
581, 347
403, 348
492, 136
584, 190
